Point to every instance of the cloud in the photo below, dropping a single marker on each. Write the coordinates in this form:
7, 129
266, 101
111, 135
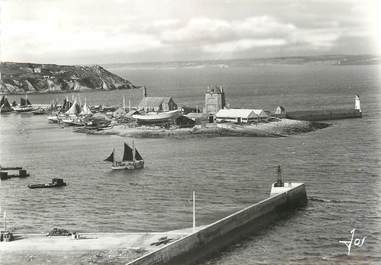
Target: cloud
242, 45
44, 30
206, 30
219, 36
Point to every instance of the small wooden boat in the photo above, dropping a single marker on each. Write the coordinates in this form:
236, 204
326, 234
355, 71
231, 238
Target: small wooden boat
131, 159
53, 118
56, 182
72, 121
39, 111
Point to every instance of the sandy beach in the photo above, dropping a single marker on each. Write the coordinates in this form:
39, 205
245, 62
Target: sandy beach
91, 248
278, 128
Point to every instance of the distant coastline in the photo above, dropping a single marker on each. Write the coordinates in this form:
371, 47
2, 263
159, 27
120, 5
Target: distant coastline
362, 59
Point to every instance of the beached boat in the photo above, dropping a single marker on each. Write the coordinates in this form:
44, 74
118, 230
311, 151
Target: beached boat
39, 111
157, 116
131, 159
56, 182
53, 118
25, 106
72, 121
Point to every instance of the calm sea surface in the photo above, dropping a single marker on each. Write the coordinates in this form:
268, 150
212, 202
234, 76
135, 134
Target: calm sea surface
341, 165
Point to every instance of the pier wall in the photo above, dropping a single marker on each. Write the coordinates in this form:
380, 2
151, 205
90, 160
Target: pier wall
225, 231
322, 115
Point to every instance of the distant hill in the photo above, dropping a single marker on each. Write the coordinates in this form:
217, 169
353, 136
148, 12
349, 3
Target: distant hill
338, 60
18, 78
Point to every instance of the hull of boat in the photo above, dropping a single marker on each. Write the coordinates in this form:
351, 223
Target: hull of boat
39, 112
71, 122
53, 119
130, 165
23, 109
49, 185
5, 111
157, 117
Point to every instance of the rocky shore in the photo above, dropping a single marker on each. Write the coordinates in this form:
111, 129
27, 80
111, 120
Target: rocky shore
278, 128
21, 78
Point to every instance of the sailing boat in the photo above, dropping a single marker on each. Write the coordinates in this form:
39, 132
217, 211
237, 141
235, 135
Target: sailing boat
72, 118
25, 105
131, 159
4, 105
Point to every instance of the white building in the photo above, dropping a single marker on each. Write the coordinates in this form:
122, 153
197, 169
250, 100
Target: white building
261, 114
240, 115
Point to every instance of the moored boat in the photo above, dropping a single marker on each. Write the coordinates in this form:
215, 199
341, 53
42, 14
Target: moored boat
53, 118
72, 121
25, 105
56, 182
131, 159
39, 111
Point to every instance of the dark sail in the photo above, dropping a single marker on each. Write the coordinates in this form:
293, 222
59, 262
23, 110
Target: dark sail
110, 158
137, 155
127, 155
28, 102
66, 105
77, 108
22, 102
6, 103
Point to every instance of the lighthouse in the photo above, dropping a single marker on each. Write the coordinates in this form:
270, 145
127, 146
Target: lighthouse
357, 103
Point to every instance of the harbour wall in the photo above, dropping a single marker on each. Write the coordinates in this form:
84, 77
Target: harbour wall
220, 234
322, 115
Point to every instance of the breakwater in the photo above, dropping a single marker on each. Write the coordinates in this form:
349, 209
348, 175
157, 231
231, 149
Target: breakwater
223, 232
323, 115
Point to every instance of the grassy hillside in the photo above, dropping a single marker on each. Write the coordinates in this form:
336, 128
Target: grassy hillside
19, 78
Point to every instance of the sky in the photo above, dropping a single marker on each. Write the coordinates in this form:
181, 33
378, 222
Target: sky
122, 31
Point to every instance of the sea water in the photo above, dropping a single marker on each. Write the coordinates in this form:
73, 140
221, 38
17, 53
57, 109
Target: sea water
340, 165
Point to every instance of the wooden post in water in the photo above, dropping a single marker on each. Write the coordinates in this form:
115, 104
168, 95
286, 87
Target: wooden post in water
194, 211
5, 221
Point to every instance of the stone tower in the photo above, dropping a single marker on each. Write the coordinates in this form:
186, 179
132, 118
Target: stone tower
214, 99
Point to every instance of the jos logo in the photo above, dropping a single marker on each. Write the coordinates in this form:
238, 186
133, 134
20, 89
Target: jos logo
358, 242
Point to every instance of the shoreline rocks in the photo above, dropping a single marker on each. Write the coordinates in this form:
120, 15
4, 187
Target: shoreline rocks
280, 128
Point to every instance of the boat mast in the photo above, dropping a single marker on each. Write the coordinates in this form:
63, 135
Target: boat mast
113, 157
133, 151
